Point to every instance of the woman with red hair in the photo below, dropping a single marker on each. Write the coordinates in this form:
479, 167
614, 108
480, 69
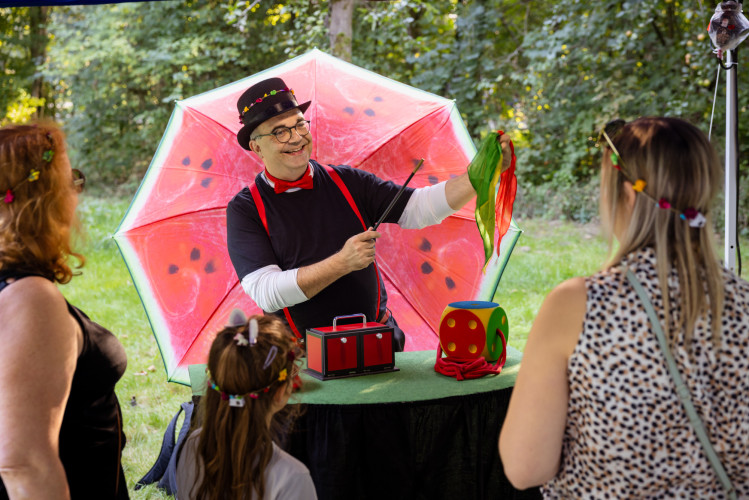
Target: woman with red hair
60, 421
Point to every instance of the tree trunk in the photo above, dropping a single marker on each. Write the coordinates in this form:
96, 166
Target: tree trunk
38, 52
340, 31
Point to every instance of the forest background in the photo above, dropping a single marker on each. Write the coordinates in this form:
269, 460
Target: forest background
550, 72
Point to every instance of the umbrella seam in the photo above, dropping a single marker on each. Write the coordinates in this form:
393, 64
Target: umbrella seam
405, 129
208, 320
203, 210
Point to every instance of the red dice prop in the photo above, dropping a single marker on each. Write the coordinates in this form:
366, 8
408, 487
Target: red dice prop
471, 329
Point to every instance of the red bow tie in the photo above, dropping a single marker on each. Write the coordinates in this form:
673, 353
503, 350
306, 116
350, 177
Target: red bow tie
280, 185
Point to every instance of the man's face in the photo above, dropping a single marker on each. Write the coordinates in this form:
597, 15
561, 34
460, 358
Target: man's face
285, 161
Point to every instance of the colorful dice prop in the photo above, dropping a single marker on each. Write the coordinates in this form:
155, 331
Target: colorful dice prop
471, 329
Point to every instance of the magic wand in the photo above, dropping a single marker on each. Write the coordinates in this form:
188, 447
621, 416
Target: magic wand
398, 195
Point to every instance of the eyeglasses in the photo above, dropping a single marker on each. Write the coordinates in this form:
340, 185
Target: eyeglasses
283, 134
79, 180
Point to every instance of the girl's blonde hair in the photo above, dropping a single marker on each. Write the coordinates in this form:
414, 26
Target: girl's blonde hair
235, 444
35, 227
678, 164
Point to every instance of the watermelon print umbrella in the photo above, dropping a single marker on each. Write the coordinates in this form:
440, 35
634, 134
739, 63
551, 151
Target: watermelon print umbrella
173, 236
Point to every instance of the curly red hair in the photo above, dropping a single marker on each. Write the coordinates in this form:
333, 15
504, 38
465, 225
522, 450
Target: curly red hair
35, 227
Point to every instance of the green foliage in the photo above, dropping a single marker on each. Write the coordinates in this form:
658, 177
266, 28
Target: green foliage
588, 63
119, 69
20, 60
551, 73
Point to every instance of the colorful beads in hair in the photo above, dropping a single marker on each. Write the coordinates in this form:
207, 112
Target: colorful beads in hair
33, 176
694, 217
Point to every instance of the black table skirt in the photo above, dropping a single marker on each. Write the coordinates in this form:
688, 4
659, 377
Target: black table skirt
434, 449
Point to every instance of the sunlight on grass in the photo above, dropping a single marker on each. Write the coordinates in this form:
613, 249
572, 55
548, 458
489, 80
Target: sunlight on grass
547, 253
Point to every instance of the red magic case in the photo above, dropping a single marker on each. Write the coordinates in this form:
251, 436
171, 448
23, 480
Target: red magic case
350, 350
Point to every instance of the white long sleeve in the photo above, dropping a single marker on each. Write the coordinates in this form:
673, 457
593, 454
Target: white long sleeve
273, 289
426, 207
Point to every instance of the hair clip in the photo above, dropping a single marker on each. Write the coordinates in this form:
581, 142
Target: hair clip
33, 174
694, 217
615, 161
241, 340
270, 357
237, 317
235, 400
253, 331
663, 203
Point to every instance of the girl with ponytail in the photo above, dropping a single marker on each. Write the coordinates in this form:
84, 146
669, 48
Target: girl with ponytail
251, 368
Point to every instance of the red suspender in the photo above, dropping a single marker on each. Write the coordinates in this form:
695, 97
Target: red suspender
261, 212
346, 194
260, 207
350, 199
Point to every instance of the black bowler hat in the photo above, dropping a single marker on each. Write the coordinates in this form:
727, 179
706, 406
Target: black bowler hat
263, 101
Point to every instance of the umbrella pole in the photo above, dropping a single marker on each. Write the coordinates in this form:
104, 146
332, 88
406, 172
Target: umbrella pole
731, 163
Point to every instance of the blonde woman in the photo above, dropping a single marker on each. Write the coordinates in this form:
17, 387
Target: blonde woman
251, 370
595, 413
60, 422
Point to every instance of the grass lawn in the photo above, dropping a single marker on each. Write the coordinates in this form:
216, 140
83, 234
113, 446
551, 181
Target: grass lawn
547, 253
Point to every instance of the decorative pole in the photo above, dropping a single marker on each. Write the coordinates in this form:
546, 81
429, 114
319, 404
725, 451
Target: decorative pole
728, 28
731, 161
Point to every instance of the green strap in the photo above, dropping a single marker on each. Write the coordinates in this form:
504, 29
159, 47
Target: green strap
682, 390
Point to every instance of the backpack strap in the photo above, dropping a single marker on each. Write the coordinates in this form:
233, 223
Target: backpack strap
164, 470
162, 462
169, 480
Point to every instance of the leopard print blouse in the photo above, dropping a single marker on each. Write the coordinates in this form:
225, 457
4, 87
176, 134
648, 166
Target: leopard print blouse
627, 435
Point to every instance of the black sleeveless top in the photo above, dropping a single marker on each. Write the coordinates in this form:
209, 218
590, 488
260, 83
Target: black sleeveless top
91, 436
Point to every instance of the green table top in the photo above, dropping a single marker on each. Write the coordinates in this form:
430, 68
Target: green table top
415, 381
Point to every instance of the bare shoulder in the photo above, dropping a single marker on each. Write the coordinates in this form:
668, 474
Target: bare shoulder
33, 294
562, 313
32, 307
569, 293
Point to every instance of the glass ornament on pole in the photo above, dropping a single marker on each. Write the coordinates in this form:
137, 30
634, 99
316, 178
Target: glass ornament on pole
727, 29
